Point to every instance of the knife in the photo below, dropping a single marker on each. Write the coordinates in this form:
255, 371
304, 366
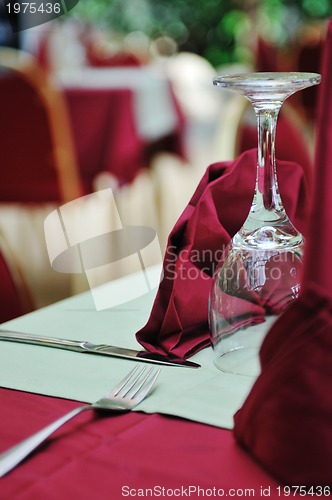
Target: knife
89, 348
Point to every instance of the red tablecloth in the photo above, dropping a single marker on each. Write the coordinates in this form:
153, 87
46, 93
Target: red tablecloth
119, 456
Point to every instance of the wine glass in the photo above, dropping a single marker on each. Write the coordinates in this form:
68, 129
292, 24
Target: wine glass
260, 272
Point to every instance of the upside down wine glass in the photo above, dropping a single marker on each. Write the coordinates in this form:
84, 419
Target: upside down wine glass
260, 273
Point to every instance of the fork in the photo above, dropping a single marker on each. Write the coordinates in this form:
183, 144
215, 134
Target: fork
123, 397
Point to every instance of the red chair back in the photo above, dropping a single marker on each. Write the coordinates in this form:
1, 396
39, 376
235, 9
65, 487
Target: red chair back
15, 299
38, 162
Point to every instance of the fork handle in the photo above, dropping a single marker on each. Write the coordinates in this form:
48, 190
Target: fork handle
12, 457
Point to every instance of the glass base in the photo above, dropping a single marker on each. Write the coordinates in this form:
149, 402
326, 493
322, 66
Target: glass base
238, 353
267, 86
240, 361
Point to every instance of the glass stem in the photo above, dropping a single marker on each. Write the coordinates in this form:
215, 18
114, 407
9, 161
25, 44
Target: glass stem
267, 196
267, 225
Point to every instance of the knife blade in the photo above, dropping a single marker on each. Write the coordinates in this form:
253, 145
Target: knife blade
83, 346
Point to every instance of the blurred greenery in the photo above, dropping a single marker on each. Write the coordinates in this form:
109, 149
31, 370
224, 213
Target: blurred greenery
219, 30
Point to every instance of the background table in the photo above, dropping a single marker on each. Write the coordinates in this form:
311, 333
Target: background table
120, 118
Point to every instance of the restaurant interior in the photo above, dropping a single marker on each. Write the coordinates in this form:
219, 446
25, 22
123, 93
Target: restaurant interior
112, 123
134, 114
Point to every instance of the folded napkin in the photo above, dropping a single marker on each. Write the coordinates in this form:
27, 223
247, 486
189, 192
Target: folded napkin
178, 323
286, 421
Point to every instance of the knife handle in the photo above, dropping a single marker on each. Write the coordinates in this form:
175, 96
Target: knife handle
29, 338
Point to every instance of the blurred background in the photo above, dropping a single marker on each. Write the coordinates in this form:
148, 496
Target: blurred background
125, 91
223, 32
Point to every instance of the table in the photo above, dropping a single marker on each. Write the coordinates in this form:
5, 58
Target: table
130, 455
120, 117
96, 457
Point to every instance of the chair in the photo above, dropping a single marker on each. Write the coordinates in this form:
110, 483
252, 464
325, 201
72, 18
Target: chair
38, 168
226, 139
15, 298
191, 78
38, 162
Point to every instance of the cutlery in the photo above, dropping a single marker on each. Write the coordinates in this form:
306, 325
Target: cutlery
89, 348
124, 397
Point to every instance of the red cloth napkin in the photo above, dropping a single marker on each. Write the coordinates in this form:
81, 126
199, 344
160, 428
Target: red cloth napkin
286, 421
178, 323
